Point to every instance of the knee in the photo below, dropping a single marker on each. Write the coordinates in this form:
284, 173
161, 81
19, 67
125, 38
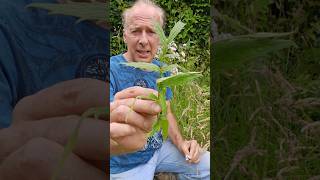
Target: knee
204, 165
205, 160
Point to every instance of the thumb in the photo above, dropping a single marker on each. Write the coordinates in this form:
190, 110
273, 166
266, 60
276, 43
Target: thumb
185, 148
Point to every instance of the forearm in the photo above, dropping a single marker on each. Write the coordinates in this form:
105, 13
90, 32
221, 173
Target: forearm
174, 132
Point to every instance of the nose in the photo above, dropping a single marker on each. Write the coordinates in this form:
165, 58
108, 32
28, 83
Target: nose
143, 40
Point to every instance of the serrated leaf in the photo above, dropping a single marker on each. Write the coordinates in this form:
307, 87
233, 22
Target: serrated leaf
175, 31
236, 52
160, 33
82, 10
143, 66
178, 79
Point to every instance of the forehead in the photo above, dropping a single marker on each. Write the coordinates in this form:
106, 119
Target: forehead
143, 15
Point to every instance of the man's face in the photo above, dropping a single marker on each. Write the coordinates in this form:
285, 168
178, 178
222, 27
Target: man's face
140, 36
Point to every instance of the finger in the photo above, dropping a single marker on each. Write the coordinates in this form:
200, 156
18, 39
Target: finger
133, 92
65, 98
91, 141
138, 105
43, 155
124, 114
185, 148
119, 130
126, 144
196, 155
194, 149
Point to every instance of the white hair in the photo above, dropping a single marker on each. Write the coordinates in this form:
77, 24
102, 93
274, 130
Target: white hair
127, 13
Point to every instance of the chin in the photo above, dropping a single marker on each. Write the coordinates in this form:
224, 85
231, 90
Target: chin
147, 60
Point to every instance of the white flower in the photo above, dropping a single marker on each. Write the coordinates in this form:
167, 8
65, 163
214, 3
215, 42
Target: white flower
174, 71
183, 54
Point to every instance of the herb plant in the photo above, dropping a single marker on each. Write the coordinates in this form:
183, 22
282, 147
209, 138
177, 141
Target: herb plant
98, 11
164, 82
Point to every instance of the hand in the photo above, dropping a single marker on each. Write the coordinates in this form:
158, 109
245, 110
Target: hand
191, 150
72, 97
36, 121
131, 119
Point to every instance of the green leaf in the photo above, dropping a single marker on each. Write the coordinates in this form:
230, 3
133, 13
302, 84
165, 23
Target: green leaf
169, 68
155, 128
151, 97
162, 101
143, 65
160, 33
165, 126
82, 10
175, 31
235, 52
101, 112
264, 35
178, 79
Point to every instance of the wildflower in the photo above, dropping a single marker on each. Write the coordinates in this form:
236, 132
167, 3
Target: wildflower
183, 54
174, 71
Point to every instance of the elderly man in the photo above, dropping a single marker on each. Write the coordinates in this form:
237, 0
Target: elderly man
177, 155
51, 71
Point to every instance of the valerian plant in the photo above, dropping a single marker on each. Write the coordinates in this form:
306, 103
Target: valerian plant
163, 82
98, 11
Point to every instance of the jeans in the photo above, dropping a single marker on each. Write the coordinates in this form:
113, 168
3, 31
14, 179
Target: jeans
168, 159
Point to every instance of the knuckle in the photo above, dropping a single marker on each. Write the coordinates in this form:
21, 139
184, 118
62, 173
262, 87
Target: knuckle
121, 112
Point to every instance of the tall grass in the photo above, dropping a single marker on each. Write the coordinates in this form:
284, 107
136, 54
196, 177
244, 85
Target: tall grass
191, 105
267, 110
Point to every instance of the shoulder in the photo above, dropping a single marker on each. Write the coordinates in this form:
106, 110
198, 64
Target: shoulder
116, 60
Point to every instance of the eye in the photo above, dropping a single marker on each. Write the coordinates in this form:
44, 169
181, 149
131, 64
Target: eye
152, 32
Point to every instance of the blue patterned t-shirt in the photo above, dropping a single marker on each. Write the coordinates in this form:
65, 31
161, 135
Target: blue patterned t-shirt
122, 77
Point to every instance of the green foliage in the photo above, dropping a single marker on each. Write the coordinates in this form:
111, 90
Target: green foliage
163, 82
266, 90
195, 15
235, 52
178, 79
144, 66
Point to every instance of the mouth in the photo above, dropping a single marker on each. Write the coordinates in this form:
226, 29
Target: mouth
143, 53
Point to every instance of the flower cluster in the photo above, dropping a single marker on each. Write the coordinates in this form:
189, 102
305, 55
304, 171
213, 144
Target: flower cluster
176, 53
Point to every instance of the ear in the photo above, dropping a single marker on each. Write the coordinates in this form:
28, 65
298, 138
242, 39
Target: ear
124, 36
